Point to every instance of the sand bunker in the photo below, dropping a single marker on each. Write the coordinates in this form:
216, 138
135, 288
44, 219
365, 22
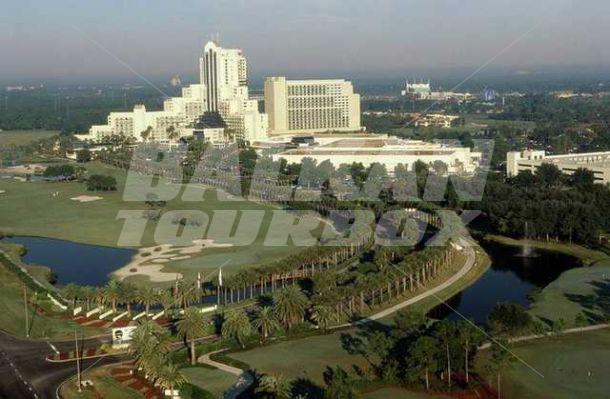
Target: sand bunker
86, 198
149, 261
24, 169
2, 191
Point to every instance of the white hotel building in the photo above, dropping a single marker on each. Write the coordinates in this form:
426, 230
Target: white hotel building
222, 88
389, 151
311, 106
596, 162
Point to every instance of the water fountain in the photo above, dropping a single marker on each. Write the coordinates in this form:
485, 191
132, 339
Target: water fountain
526, 248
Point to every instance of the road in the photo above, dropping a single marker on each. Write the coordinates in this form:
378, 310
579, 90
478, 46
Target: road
25, 372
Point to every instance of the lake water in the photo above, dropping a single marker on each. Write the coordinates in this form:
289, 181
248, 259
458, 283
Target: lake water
511, 278
81, 264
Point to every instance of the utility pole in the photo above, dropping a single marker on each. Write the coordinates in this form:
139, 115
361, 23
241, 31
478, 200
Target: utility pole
25, 311
77, 362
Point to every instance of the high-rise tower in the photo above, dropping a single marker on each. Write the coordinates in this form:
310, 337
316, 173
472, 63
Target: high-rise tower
225, 75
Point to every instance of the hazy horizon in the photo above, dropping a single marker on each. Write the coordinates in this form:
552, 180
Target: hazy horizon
70, 41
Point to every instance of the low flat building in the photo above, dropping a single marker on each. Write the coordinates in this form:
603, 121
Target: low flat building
597, 162
311, 106
389, 151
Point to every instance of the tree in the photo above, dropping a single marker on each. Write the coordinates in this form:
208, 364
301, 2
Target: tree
65, 171
321, 314
128, 294
101, 183
548, 174
147, 296
236, 325
72, 293
289, 305
500, 360
170, 377
112, 293
191, 326
149, 346
83, 156
273, 386
470, 337
582, 177
422, 356
338, 383
145, 134
444, 332
172, 133
509, 319
265, 321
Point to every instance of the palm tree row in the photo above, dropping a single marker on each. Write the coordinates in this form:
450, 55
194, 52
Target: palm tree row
290, 307
116, 294
150, 347
396, 274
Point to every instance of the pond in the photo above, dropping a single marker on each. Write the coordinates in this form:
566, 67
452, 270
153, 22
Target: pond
514, 273
81, 264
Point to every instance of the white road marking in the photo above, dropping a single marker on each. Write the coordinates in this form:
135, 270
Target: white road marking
53, 347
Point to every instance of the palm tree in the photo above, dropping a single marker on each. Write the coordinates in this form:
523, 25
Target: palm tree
112, 293
321, 314
236, 325
191, 326
148, 296
170, 377
289, 305
72, 293
501, 358
128, 295
88, 295
149, 346
265, 322
423, 354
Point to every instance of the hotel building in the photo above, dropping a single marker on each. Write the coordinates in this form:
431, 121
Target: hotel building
222, 88
389, 151
596, 162
224, 72
177, 113
311, 106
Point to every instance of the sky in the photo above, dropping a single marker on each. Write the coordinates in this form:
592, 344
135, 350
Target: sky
83, 40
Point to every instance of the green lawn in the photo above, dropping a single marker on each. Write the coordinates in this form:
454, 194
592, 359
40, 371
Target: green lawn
212, 380
28, 208
565, 363
583, 291
21, 137
105, 386
302, 358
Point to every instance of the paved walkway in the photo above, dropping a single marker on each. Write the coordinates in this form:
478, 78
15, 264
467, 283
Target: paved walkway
244, 378
551, 334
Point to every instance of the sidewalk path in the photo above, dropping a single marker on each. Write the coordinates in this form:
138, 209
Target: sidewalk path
593, 327
244, 378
